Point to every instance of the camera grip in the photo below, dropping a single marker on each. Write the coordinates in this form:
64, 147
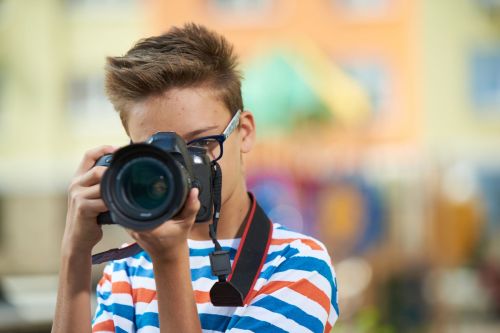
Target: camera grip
104, 160
202, 182
104, 218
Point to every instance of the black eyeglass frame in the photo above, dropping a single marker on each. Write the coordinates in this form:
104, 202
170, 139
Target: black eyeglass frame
220, 138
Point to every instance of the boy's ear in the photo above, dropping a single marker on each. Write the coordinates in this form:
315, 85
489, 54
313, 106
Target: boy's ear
247, 131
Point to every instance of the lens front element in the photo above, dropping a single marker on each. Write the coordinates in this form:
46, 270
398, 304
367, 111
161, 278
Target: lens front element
145, 184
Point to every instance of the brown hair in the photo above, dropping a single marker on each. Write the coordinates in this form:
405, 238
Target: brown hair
190, 56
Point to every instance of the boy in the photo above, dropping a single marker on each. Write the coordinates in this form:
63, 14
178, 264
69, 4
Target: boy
186, 81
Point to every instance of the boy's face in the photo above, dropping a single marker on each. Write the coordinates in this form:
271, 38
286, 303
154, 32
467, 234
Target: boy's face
193, 113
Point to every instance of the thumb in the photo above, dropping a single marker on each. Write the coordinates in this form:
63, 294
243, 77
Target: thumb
191, 206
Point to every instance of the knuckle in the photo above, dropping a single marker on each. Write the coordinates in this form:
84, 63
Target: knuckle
75, 197
95, 152
95, 175
99, 170
79, 206
72, 186
88, 154
103, 150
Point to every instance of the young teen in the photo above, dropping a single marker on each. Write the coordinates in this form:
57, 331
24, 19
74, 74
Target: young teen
186, 81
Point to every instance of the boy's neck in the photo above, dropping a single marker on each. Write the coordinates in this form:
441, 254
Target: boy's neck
232, 217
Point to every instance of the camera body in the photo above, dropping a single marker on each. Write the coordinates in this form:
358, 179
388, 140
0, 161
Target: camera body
146, 184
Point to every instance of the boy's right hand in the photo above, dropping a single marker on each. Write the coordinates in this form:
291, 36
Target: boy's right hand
82, 232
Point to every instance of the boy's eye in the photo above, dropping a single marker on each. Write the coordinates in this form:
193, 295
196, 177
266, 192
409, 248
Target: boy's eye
205, 143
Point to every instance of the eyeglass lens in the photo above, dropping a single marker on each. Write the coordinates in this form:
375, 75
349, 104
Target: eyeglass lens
211, 146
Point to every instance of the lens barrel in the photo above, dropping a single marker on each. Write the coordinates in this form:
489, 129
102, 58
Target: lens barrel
144, 186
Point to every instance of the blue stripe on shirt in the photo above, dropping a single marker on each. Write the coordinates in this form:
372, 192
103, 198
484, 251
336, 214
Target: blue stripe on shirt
147, 319
205, 252
125, 311
120, 330
298, 315
290, 252
214, 322
309, 264
254, 325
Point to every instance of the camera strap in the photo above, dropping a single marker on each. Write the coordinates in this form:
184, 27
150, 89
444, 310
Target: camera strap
116, 254
234, 286
235, 290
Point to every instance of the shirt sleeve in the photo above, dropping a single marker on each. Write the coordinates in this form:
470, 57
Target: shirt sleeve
299, 296
103, 318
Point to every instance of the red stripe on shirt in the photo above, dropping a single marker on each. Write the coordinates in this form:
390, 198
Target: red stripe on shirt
309, 242
301, 286
106, 325
105, 277
121, 287
201, 297
142, 295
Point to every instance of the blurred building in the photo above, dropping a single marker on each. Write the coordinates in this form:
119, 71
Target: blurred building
378, 120
52, 109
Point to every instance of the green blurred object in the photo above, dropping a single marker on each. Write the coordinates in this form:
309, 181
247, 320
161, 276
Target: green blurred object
368, 320
279, 95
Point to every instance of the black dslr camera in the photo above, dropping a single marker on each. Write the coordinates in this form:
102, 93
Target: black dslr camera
147, 183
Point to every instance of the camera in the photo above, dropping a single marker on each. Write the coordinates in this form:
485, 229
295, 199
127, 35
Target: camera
147, 183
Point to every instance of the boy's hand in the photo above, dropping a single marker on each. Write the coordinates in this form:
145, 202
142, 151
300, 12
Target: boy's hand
168, 241
82, 232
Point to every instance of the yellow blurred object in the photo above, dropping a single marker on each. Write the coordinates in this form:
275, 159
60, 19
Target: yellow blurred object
343, 96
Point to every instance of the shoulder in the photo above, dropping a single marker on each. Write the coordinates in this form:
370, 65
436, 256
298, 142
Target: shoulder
290, 243
298, 280
293, 256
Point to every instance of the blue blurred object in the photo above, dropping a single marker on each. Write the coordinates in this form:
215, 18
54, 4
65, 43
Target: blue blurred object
489, 181
279, 198
485, 72
374, 78
373, 217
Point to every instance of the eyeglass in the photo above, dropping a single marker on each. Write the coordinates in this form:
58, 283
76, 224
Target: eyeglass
213, 144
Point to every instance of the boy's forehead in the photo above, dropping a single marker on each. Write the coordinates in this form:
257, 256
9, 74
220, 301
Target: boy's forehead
188, 112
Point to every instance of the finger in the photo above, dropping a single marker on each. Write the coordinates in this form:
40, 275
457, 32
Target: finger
132, 233
92, 192
136, 235
191, 206
91, 156
92, 207
92, 177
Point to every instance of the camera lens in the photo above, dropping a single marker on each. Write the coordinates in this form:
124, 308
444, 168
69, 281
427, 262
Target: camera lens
145, 185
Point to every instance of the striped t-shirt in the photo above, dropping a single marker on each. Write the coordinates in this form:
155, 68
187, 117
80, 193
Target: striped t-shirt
296, 290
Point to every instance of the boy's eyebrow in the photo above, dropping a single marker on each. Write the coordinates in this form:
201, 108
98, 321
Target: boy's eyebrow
197, 132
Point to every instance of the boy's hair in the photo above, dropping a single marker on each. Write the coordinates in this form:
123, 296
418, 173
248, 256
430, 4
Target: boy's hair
191, 56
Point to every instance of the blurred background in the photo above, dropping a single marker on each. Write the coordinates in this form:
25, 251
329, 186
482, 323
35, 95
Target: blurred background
378, 126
